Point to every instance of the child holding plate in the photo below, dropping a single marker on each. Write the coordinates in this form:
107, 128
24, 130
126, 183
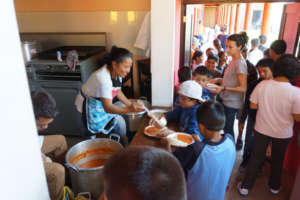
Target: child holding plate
207, 164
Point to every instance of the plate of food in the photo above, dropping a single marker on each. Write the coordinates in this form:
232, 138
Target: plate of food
152, 131
180, 139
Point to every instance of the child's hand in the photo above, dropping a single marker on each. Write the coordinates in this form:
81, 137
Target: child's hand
165, 132
166, 144
196, 138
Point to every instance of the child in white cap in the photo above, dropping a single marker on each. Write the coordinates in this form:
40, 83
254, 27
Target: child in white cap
190, 93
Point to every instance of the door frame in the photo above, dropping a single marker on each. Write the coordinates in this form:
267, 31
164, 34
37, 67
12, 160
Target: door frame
184, 3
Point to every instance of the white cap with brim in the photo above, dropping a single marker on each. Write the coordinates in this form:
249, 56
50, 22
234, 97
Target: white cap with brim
191, 89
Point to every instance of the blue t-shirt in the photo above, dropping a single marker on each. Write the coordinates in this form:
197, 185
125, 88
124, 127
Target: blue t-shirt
206, 94
223, 39
207, 166
187, 119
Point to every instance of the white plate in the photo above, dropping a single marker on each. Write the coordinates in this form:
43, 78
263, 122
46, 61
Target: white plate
175, 142
211, 86
158, 112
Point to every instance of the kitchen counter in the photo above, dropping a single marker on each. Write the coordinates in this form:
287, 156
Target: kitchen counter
141, 139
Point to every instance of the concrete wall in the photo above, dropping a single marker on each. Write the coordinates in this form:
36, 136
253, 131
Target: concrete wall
22, 172
162, 51
122, 26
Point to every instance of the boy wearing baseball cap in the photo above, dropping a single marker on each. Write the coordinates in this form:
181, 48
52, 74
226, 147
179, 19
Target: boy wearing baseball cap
190, 97
208, 163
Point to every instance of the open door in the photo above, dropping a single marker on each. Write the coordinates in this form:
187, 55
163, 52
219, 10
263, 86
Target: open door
194, 16
291, 28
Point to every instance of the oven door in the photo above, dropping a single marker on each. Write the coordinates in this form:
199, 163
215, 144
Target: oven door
68, 121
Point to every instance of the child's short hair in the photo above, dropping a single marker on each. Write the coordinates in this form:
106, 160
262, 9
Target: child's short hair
211, 115
210, 49
149, 172
213, 56
267, 53
221, 53
266, 62
197, 54
255, 42
201, 70
287, 66
278, 46
262, 39
184, 74
44, 104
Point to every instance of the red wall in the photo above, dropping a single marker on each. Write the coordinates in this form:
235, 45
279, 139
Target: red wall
291, 25
177, 40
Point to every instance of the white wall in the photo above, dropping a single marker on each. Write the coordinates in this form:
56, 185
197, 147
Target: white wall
22, 173
162, 51
122, 29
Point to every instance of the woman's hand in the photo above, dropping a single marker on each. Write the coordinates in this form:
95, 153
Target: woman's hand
215, 80
162, 121
137, 106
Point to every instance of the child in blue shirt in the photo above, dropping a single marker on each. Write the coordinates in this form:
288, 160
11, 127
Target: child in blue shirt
201, 76
190, 96
207, 164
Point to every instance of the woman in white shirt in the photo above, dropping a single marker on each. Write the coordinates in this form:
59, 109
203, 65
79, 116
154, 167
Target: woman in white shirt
278, 104
234, 82
95, 100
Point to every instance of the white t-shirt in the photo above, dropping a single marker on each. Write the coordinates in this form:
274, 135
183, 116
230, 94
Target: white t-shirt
277, 101
230, 79
98, 85
254, 56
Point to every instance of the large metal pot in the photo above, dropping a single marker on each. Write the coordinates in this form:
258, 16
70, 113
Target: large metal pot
133, 120
89, 179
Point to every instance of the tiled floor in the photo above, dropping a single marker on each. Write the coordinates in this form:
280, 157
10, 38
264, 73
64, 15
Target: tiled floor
260, 190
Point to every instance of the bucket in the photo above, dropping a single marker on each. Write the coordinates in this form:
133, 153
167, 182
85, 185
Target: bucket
85, 162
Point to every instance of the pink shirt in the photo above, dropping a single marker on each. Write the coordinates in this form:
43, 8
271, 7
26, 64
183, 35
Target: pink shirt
277, 101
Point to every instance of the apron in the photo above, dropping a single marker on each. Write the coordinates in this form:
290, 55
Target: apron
96, 117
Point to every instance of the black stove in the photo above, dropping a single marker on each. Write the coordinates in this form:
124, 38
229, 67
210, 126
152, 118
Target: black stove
64, 84
84, 52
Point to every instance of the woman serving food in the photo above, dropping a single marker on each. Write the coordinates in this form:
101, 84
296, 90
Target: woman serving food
94, 102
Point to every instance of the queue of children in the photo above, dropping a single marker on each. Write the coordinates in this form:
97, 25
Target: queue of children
260, 91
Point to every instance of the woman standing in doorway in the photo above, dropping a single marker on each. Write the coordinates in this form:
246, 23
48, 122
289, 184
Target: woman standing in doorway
234, 83
95, 100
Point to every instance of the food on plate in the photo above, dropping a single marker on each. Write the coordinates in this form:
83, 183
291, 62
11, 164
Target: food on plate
185, 138
152, 130
180, 139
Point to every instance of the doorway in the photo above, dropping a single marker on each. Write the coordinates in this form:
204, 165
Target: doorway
204, 22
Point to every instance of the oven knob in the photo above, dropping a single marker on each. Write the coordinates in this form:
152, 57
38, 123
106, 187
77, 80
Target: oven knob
49, 67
